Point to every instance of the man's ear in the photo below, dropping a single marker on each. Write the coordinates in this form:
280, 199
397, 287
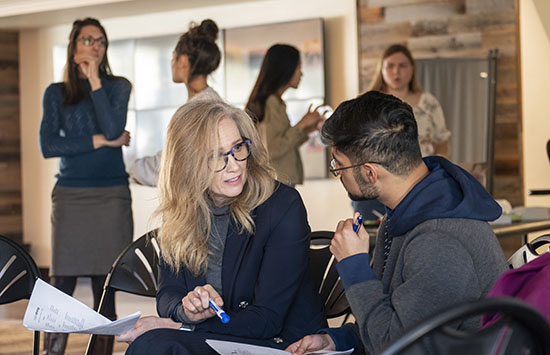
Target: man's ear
369, 173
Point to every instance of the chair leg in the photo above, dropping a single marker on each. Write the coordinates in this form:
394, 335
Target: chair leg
36, 343
103, 345
55, 343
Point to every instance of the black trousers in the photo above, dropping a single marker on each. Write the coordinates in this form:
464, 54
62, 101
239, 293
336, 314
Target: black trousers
180, 342
67, 284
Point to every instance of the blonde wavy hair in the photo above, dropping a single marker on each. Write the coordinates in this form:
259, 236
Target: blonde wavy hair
185, 177
378, 83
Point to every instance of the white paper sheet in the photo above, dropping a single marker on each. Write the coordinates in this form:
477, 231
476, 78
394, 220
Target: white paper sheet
233, 348
50, 310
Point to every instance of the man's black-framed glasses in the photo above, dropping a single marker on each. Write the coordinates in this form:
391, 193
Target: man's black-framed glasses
336, 171
240, 152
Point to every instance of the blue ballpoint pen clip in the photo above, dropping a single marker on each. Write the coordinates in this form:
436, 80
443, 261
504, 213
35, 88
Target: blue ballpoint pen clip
357, 224
219, 311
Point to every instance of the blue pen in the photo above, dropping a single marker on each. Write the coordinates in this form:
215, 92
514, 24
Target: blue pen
357, 224
219, 311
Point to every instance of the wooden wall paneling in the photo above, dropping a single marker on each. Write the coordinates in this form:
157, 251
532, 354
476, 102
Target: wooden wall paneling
425, 11
371, 15
10, 160
449, 42
490, 6
476, 22
375, 37
455, 28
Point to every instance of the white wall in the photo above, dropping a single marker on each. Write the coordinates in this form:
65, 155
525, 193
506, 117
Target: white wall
535, 72
36, 74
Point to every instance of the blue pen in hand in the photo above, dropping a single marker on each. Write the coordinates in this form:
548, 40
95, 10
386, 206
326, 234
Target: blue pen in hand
358, 224
219, 311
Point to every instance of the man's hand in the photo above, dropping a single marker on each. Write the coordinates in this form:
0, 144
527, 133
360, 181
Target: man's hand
314, 342
145, 324
346, 242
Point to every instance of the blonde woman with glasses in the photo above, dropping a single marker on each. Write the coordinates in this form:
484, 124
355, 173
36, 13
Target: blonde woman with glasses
230, 234
83, 123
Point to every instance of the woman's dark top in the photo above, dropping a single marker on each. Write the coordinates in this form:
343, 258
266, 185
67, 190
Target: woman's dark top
266, 290
66, 132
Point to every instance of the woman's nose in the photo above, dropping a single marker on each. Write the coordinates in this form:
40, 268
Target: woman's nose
232, 163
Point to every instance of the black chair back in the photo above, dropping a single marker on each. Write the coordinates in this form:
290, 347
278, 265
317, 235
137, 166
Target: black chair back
528, 251
521, 330
18, 274
322, 265
134, 271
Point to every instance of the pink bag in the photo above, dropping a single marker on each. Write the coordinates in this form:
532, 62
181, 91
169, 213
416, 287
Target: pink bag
530, 283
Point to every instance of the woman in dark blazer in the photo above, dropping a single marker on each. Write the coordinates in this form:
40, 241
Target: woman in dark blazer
230, 233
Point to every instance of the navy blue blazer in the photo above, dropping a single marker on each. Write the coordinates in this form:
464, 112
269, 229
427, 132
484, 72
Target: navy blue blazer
266, 290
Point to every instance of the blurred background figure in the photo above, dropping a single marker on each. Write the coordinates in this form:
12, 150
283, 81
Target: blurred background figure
195, 57
396, 75
281, 69
83, 123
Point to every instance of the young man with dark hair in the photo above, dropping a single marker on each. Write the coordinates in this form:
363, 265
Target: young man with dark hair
434, 247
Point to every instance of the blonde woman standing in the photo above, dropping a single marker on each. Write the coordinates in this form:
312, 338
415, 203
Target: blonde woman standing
396, 75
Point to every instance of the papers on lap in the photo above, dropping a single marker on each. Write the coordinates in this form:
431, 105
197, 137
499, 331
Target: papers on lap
50, 310
232, 348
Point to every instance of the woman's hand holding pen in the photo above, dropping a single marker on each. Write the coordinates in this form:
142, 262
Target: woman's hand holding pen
346, 242
196, 303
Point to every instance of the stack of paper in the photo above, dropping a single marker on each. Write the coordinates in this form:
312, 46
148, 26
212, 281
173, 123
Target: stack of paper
233, 348
50, 310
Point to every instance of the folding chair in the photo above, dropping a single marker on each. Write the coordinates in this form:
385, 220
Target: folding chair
528, 251
18, 274
134, 271
521, 330
323, 271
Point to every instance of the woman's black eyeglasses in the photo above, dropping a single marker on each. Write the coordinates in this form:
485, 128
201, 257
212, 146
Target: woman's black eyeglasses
240, 152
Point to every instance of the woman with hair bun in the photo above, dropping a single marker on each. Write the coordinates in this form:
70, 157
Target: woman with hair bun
195, 57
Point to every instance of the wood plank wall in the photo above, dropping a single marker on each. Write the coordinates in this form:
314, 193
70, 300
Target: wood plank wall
10, 162
455, 28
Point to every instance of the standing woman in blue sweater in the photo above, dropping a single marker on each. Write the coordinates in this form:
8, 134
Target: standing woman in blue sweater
83, 123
